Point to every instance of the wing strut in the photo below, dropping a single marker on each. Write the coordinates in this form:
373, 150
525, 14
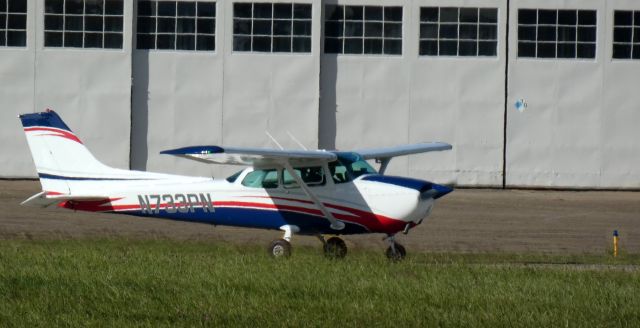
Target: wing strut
335, 224
384, 162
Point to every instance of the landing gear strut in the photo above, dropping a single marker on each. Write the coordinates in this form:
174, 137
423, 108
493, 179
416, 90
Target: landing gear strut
395, 252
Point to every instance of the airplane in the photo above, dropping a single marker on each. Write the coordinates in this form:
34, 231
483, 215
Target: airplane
305, 192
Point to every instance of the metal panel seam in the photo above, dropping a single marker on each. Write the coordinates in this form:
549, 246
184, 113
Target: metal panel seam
506, 99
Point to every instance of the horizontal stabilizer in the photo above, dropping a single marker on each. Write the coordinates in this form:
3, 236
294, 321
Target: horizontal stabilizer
45, 199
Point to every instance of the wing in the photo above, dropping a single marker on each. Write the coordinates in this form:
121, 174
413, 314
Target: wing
252, 156
389, 152
384, 155
264, 157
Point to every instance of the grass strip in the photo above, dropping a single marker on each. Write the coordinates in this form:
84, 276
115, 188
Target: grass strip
121, 282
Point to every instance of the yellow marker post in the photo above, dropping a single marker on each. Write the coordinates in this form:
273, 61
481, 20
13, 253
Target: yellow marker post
615, 243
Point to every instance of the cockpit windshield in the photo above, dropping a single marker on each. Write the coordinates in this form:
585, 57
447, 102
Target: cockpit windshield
348, 167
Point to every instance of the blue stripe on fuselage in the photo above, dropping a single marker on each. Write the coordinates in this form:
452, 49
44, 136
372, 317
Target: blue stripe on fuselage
62, 177
256, 218
419, 185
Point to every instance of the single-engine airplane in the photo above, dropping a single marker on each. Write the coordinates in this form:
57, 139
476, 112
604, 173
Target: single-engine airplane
306, 192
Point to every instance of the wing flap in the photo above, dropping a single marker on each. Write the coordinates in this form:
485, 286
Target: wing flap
251, 156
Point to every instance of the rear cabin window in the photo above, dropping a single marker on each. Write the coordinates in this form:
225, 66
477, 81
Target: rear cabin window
234, 177
267, 179
312, 176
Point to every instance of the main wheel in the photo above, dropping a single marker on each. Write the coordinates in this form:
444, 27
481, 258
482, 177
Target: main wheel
335, 248
396, 255
280, 248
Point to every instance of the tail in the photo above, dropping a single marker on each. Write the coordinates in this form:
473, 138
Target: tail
62, 161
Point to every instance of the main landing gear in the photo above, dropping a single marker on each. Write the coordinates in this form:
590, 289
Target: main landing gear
334, 247
280, 248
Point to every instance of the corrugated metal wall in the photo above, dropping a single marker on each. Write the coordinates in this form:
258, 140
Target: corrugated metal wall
90, 88
389, 100
578, 129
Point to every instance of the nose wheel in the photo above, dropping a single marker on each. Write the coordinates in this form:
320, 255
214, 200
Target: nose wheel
395, 252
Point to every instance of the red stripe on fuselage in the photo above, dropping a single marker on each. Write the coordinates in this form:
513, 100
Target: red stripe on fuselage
373, 222
384, 223
57, 133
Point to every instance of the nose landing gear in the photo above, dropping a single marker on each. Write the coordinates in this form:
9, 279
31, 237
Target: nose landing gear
395, 252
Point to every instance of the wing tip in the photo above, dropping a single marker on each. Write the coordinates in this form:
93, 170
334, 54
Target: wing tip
193, 150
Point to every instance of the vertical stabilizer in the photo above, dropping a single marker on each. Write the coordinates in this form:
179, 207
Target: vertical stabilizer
59, 155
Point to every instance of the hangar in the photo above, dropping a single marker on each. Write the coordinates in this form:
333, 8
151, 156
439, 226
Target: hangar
531, 93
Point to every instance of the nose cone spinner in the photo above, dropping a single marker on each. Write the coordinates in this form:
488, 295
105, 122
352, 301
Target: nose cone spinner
436, 191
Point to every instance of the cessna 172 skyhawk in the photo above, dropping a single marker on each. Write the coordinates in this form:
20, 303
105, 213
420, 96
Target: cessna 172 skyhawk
307, 192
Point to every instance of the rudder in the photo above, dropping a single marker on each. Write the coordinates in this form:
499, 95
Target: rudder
59, 155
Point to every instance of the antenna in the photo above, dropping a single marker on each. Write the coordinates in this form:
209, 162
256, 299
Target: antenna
296, 140
274, 140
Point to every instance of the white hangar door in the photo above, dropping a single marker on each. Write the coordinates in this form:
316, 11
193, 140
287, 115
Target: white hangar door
252, 69
75, 60
436, 73
575, 125
555, 84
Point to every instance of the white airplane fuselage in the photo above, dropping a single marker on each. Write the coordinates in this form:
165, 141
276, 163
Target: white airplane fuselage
312, 192
364, 206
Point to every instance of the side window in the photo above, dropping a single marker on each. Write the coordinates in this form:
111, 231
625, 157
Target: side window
338, 172
267, 179
287, 179
312, 176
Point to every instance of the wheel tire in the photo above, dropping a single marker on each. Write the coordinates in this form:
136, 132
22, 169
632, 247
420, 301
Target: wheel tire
398, 255
280, 248
335, 248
